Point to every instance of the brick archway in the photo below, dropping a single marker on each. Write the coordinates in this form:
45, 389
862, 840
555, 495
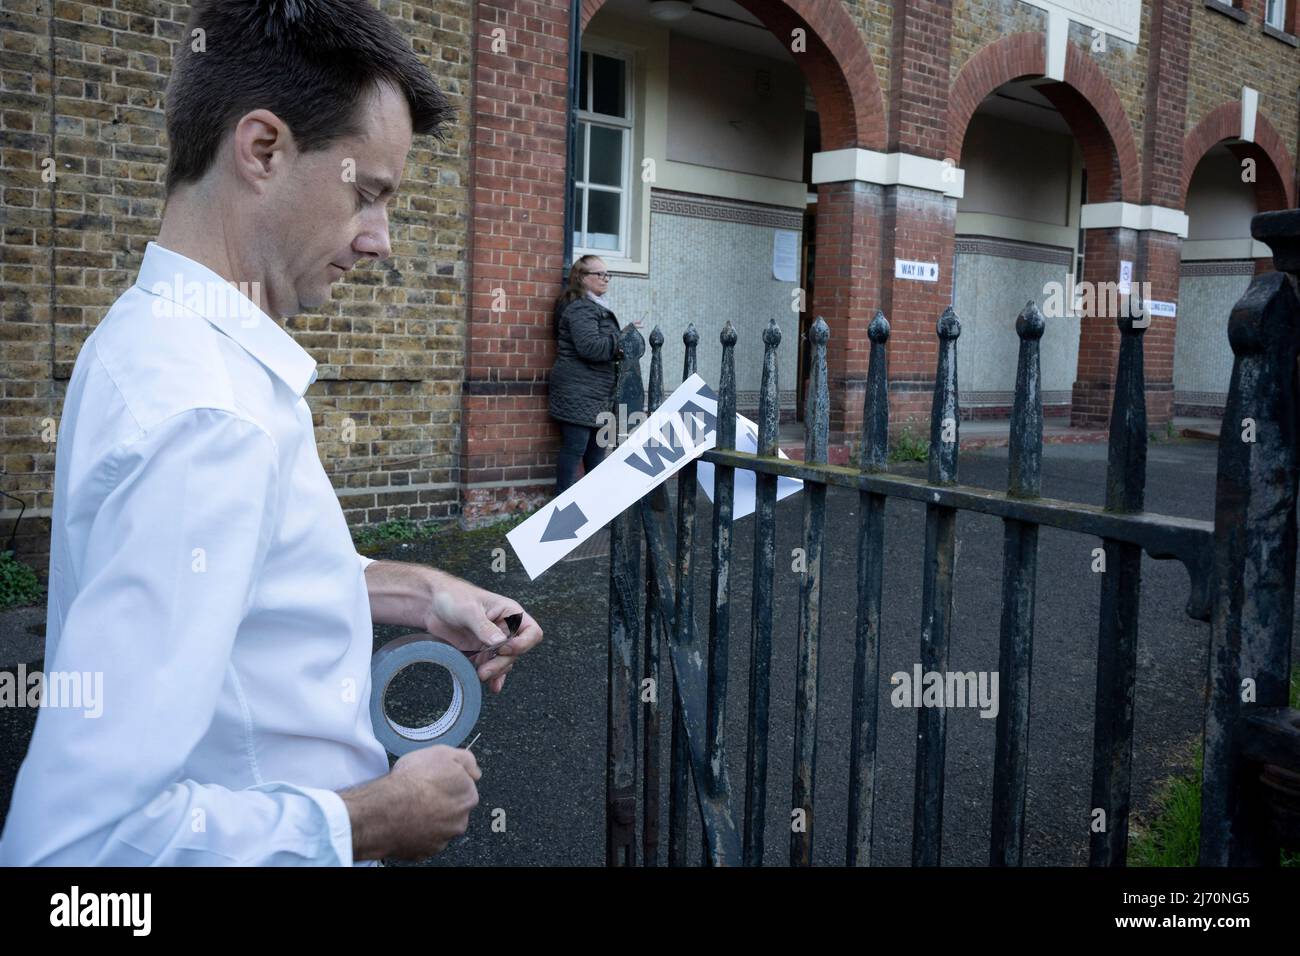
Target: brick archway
1275, 181
517, 219
837, 65
1086, 100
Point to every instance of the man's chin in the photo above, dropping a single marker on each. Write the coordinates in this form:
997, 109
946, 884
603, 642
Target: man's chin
311, 300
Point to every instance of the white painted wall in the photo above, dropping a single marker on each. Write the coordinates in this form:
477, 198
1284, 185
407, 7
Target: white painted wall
1219, 204
1017, 171
733, 110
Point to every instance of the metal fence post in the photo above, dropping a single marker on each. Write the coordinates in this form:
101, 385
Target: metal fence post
1254, 549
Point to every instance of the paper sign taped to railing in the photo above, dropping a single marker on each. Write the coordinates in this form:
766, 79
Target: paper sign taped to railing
684, 427
742, 502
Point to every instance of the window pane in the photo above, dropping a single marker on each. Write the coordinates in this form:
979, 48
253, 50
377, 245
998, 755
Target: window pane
578, 207
584, 101
579, 170
606, 163
608, 87
603, 224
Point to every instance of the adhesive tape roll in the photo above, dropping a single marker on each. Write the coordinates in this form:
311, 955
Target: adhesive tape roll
466, 699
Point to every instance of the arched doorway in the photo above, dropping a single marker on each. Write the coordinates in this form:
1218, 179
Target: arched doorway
1227, 180
1039, 155
714, 130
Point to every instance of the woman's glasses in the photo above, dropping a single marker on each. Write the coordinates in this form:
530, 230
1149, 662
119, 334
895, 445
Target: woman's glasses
598, 275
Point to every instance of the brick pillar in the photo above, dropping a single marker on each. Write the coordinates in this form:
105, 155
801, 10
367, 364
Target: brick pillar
1159, 257
919, 225
1098, 333
845, 294
918, 93
517, 237
1160, 254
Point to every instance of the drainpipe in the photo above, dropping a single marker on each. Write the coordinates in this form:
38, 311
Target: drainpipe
571, 124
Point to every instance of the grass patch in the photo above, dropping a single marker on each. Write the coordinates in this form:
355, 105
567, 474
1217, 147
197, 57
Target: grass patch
19, 585
1173, 837
387, 532
908, 446
401, 530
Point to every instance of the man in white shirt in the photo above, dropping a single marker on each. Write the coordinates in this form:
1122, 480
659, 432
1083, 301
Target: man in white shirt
200, 561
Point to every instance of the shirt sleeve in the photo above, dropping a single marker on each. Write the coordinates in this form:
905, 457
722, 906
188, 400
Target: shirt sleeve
365, 562
171, 558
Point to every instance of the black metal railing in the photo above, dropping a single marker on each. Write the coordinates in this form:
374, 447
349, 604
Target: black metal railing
1241, 569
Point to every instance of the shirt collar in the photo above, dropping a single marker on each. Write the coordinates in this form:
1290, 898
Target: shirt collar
183, 286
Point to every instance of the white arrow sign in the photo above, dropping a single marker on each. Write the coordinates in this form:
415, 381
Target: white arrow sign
684, 427
742, 504
917, 271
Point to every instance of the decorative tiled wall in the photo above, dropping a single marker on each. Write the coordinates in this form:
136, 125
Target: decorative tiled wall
710, 261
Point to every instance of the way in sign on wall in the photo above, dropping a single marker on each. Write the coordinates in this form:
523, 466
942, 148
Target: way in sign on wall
684, 427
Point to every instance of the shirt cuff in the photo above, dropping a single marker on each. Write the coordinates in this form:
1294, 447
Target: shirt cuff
336, 847
365, 562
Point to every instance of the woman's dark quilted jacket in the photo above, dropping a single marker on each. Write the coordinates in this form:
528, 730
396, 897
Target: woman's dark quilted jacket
582, 380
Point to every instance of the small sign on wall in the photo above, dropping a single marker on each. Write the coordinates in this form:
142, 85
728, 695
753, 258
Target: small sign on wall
1125, 277
1163, 310
917, 271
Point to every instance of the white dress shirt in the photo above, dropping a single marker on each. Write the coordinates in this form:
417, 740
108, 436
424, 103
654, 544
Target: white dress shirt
199, 560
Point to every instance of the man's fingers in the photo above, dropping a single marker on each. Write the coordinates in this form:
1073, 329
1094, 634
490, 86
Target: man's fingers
526, 638
487, 630
494, 668
467, 760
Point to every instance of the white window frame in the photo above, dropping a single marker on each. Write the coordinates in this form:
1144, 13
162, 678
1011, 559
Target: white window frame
628, 124
1278, 10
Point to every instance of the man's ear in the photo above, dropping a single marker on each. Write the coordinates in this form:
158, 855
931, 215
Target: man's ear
261, 145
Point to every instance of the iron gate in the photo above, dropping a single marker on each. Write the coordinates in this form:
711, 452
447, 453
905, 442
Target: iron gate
1241, 567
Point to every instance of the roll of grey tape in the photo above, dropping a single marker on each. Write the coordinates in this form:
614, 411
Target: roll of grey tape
466, 699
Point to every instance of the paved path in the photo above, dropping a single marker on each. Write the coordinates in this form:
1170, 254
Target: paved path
543, 740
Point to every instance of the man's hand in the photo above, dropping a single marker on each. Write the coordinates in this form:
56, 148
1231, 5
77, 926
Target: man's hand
417, 809
474, 620
453, 610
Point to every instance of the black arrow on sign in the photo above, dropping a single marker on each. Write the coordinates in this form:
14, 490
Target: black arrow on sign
564, 523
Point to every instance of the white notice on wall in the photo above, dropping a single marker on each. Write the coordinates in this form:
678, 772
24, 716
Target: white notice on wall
742, 502
1125, 277
785, 255
1165, 310
919, 271
684, 427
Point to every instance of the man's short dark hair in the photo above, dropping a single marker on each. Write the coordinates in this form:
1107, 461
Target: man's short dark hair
311, 62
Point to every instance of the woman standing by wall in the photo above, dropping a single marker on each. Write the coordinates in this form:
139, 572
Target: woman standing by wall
582, 379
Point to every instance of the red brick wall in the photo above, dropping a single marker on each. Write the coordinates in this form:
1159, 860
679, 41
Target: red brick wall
517, 191
919, 225
1166, 108
848, 248
1158, 258
918, 93
1098, 333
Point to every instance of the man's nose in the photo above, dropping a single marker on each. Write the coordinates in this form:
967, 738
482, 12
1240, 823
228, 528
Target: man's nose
374, 241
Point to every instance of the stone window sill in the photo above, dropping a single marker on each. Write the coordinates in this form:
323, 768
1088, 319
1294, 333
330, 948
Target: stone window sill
1289, 39
1227, 10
